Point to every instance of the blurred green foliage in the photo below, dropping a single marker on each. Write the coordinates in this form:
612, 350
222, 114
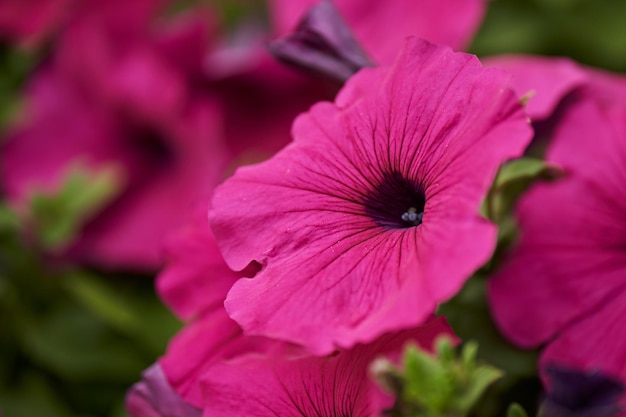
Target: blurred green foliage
590, 31
73, 340
58, 218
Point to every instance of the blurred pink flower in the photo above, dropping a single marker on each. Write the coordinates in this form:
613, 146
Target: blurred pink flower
32, 22
28, 22
381, 27
564, 282
112, 95
356, 221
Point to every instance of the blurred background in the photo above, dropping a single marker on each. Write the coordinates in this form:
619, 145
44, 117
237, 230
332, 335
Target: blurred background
79, 316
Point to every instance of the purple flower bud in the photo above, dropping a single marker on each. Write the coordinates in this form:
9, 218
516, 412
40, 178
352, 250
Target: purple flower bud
322, 43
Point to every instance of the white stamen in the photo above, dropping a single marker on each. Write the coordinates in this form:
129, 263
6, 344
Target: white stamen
412, 216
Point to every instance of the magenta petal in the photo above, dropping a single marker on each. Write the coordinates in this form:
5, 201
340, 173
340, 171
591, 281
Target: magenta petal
324, 217
196, 278
154, 397
546, 81
194, 284
606, 87
589, 144
551, 278
337, 385
211, 339
198, 347
382, 27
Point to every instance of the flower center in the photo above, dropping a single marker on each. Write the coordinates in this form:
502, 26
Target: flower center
412, 217
396, 202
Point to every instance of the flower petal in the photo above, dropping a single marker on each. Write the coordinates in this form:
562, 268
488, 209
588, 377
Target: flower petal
260, 386
545, 80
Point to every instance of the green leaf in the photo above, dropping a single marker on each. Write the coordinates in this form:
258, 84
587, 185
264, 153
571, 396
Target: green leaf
427, 381
512, 180
59, 216
445, 384
479, 380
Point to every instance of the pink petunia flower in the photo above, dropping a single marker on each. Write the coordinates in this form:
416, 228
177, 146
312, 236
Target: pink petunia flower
369, 219
564, 282
337, 385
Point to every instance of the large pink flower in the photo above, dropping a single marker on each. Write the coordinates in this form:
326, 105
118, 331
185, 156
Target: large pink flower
370, 217
381, 27
564, 282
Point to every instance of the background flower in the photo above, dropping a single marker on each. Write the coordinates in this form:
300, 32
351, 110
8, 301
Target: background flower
562, 282
127, 108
